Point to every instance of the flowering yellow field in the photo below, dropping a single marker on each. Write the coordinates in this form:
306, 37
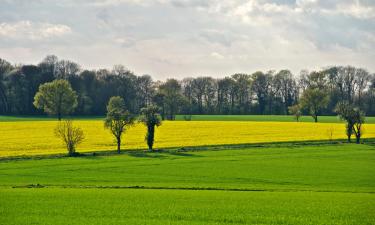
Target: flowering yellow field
36, 137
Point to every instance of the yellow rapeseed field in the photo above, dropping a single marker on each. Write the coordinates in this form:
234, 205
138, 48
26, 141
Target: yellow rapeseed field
37, 137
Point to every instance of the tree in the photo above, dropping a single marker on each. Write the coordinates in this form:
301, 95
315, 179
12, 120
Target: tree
56, 98
145, 91
359, 120
203, 92
5, 67
70, 135
225, 95
173, 99
362, 81
287, 88
261, 87
243, 92
354, 118
118, 119
314, 100
151, 118
295, 110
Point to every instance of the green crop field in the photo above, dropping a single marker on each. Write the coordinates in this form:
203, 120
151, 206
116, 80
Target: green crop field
284, 184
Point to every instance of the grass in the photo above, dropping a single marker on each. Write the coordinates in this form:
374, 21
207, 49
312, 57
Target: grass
93, 206
327, 184
288, 183
345, 167
44, 118
37, 137
265, 118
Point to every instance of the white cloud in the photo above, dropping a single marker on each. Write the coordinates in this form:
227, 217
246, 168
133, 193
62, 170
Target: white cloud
192, 37
27, 30
357, 10
217, 55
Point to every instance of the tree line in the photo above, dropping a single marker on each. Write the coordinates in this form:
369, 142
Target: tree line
271, 92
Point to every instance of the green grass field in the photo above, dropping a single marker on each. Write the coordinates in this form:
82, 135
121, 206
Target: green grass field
289, 184
44, 118
113, 206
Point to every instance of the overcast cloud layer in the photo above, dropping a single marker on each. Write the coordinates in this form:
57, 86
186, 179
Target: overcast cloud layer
179, 38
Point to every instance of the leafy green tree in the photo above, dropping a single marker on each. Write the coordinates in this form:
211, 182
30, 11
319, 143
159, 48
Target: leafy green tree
118, 119
56, 98
345, 112
70, 135
354, 118
151, 118
295, 110
314, 100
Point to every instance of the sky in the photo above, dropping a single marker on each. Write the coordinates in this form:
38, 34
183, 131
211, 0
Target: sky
190, 38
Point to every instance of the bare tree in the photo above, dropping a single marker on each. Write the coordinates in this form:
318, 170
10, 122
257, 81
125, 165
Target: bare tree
70, 135
362, 81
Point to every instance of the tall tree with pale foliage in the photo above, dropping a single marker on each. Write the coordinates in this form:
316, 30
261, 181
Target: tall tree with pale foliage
56, 98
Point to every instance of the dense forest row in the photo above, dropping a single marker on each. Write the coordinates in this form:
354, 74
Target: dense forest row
271, 92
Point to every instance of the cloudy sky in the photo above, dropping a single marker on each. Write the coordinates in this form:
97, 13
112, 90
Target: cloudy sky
178, 38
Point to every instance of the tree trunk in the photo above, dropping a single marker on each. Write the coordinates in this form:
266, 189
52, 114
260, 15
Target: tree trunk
59, 116
358, 139
150, 136
118, 145
4, 99
349, 132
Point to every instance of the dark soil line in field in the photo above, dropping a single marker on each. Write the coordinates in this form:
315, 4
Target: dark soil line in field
132, 152
183, 188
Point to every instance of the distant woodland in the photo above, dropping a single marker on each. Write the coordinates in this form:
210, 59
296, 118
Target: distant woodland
261, 92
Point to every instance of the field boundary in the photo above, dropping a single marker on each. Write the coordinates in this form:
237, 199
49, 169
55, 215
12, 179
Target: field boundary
38, 186
140, 152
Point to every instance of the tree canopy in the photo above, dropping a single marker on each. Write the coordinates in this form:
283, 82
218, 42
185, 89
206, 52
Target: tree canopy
151, 118
118, 119
56, 98
261, 92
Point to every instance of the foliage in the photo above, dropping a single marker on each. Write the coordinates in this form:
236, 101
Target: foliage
269, 92
56, 98
70, 135
171, 98
354, 118
314, 100
118, 119
359, 118
151, 118
295, 110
